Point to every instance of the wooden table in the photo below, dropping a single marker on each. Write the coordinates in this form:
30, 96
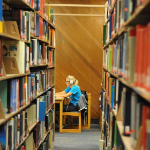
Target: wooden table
59, 100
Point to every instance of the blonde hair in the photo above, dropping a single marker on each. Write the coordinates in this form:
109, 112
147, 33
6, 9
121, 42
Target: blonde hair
75, 81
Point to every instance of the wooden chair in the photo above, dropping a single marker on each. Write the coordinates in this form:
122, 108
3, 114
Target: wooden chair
73, 129
77, 114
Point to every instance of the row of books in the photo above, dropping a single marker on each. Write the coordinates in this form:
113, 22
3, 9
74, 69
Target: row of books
111, 86
134, 111
111, 138
1, 58
45, 145
18, 50
38, 5
128, 56
122, 11
36, 54
1, 16
38, 51
16, 93
16, 130
29, 22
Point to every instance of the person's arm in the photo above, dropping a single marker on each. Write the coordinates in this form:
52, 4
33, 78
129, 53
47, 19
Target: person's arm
63, 95
63, 92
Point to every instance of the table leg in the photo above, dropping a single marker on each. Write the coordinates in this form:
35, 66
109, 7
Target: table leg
61, 111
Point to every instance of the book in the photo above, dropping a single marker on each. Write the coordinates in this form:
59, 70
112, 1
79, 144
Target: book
3, 95
3, 136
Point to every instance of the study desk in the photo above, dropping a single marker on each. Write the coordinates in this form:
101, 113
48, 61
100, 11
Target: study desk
59, 100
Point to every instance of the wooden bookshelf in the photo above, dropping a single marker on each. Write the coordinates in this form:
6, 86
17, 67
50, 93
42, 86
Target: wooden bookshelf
7, 35
140, 16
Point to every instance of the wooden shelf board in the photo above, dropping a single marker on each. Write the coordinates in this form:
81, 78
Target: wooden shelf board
9, 76
7, 36
107, 21
30, 129
114, 75
34, 37
50, 46
126, 140
46, 20
143, 93
122, 31
141, 15
114, 112
25, 41
8, 116
45, 136
24, 139
51, 67
32, 126
49, 109
111, 12
18, 4
31, 66
113, 7
115, 37
126, 83
111, 40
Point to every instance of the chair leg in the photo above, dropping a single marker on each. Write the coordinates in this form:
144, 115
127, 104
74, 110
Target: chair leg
71, 121
80, 122
64, 119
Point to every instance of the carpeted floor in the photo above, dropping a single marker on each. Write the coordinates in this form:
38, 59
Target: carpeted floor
86, 140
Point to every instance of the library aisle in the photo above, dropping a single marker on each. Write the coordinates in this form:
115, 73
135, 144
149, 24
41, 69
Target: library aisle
86, 140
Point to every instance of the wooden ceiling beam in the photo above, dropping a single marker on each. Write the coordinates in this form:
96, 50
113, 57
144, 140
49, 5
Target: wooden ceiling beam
74, 5
86, 15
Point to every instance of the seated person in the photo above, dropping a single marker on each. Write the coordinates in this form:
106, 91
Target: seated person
72, 90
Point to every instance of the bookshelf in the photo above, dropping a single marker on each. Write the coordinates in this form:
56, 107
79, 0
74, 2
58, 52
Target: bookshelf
27, 76
125, 95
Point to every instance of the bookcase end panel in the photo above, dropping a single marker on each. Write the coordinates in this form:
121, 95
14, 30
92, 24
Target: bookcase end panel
2, 115
139, 140
12, 28
11, 66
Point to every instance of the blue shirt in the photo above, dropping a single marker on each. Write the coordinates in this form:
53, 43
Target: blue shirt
76, 93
